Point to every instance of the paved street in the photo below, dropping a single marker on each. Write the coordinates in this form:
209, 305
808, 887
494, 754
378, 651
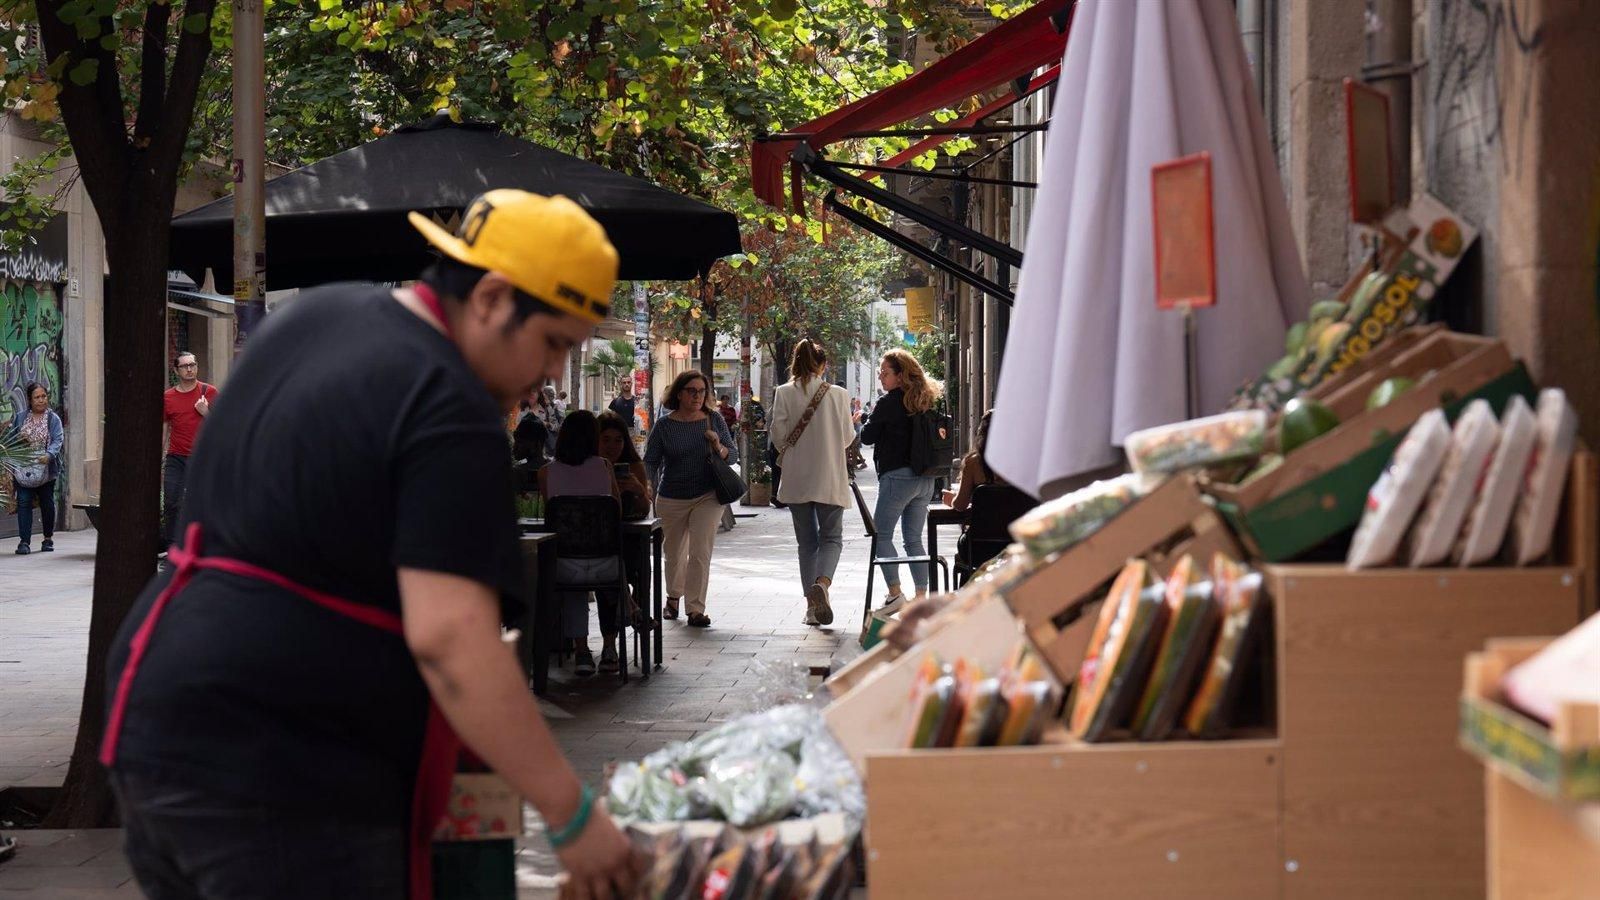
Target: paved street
755, 605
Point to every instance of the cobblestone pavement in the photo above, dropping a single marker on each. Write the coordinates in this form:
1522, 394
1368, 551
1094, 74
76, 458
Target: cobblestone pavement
709, 675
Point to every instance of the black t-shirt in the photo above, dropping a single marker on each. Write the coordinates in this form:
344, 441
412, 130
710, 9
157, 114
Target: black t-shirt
624, 406
888, 432
353, 440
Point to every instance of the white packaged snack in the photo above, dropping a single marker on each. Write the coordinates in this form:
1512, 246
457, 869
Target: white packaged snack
1535, 520
1393, 501
1472, 445
1567, 670
1485, 530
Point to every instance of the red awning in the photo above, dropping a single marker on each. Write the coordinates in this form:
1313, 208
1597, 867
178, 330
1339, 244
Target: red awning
1012, 50
1045, 78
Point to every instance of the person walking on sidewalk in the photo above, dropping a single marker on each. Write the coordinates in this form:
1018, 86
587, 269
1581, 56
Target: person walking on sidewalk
184, 408
811, 422
686, 500
287, 707
623, 405
40, 429
903, 494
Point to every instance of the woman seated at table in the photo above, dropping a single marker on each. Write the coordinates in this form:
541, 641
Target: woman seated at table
975, 469
616, 447
578, 470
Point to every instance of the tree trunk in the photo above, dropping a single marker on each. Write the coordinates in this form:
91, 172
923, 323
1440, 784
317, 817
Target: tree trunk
135, 314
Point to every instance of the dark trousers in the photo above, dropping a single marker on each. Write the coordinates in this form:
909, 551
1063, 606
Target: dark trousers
173, 474
45, 496
188, 844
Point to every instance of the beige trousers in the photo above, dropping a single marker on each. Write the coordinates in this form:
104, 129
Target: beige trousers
689, 529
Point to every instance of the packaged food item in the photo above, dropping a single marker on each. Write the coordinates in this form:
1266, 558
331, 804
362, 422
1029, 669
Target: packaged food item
1054, 526
1237, 591
982, 715
778, 882
1130, 668
1198, 443
1110, 632
1029, 707
1567, 670
933, 701
1472, 443
1485, 530
1393, 501
728, 875
1192, 619
828, 878
1535, 519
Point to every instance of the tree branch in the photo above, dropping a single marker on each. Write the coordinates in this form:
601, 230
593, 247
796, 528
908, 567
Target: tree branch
183, 87
152, 73
92, 113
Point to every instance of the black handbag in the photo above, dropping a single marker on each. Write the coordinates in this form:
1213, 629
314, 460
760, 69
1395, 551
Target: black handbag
728, 485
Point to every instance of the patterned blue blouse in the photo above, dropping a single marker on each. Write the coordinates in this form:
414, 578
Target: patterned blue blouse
676, 453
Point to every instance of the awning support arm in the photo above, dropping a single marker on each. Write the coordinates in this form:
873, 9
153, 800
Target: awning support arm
977, 240
929, 173
944, 264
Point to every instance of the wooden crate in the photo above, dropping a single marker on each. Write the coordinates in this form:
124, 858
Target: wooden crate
1540, 846
1129, 821
1378, 801
1056, 602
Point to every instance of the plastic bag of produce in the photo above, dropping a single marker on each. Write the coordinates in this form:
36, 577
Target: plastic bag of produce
827, 781
1394, 499
752, 789
1225, 438
1485, 530
1472, 443
650, 793
1192, 619
1060, 523
1238, 591
1535, 518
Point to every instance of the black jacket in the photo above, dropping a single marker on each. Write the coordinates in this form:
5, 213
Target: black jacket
889, 433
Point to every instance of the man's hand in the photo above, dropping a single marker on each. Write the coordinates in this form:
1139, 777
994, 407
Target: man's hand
601, 864
202, 406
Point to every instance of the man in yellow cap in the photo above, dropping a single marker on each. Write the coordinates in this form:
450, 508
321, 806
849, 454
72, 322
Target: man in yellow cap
289, 697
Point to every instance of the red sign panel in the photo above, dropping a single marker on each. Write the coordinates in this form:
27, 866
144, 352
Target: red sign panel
1185, 243
1366, 113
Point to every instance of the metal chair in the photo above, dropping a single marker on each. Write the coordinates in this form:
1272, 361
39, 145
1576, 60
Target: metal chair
590, 528
874, 561
988, 531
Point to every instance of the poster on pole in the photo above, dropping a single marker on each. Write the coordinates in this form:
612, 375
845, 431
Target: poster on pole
1185, 243
919, 309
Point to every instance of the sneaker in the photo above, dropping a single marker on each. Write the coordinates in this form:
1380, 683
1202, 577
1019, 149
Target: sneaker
608, 660
22, 550
811, 616
583, 663
48, 546
817, 604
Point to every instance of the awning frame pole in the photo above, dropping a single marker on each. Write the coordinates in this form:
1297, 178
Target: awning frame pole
943, 176
977, 240
944, 264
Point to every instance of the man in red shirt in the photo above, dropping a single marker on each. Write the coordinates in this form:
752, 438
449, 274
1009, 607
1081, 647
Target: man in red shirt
183, 409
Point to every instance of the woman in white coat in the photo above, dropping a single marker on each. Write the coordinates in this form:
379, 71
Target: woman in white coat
810, 430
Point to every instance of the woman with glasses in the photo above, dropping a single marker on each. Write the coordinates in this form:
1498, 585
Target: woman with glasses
40, 430
686, 497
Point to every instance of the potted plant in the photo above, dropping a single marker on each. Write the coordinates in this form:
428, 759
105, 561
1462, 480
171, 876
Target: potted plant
760, 493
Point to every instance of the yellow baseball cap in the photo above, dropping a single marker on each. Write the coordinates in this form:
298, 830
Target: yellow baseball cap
547, 247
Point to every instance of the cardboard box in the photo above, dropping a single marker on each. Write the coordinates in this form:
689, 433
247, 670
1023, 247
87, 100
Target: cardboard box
1560, 762
483, 806
1320, 490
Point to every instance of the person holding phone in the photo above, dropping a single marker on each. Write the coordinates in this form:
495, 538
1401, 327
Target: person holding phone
616, 445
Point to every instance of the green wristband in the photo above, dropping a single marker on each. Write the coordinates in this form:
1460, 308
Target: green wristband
566, 834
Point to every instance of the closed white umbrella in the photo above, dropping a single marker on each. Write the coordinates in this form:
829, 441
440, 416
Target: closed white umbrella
1089, 357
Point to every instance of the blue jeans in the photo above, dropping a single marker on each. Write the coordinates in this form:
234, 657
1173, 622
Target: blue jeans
903, 498
819, 530
45, 494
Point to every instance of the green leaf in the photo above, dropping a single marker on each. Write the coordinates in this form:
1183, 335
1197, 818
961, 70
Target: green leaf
83, 74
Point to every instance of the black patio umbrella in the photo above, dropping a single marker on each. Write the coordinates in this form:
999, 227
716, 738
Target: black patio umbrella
344, 217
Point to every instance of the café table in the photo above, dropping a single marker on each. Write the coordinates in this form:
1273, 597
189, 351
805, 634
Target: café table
645, 538
941, 514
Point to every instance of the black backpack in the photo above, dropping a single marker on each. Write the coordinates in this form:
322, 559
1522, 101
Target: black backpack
933, 444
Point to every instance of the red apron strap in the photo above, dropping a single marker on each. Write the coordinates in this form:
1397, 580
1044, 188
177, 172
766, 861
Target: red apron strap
431, 797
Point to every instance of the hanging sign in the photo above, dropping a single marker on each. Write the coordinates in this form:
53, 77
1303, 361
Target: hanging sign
1366, 113
919, 309
1185, 249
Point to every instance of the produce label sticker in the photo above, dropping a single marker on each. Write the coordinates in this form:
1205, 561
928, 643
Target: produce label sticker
1185, 251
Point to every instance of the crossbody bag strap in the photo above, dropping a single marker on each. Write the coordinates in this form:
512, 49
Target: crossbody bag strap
805, 417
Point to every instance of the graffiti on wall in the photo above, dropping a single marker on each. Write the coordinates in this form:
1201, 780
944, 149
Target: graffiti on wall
31, 320
1471, 112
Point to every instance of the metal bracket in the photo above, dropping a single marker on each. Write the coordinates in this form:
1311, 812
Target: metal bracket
939, 261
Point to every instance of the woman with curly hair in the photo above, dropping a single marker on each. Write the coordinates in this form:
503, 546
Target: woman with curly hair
903, 494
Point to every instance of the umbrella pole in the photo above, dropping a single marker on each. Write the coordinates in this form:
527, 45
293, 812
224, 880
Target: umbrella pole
1191, 364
